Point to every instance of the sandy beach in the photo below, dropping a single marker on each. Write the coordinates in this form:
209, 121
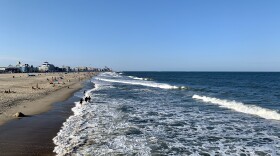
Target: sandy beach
35, 94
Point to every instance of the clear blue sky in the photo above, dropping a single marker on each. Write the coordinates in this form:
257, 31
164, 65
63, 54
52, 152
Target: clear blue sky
159, 35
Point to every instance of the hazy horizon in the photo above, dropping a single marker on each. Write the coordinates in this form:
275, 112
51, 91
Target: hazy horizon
144, 35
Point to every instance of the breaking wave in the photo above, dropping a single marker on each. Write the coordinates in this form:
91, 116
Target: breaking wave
143, 83
138, 78
139, 120
240, 107
98, 129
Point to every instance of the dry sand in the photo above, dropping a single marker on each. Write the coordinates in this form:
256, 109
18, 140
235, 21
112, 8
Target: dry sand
35, 94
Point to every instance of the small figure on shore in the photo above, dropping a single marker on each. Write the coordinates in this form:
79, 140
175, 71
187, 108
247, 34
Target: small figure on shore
89, 98
9, 91
86, 99
84, 91
81, 101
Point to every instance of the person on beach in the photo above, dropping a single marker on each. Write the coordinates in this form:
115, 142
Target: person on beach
89, 98
84, 91
81, 101
86, 99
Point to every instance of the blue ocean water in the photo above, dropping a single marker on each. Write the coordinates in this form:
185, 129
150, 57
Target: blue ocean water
176, 113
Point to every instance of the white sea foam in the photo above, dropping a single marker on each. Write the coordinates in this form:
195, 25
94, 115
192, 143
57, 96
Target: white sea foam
112, 74
136, 78
93, 128
153, 124
240, 107
117, 78
143, 83
139, 78
69, 129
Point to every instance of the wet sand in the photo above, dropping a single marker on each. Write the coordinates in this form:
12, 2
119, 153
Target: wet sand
33, 135
35, 94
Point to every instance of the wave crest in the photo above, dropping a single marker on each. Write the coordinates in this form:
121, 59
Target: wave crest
138, 78
241, 107
143, 83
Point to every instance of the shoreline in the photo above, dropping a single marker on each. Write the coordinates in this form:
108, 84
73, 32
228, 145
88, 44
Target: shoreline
42, 101
31, 108
33, 135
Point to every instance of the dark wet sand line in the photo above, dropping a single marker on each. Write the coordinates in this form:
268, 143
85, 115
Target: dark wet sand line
33, 135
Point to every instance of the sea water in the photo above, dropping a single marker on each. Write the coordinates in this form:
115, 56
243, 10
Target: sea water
176, 113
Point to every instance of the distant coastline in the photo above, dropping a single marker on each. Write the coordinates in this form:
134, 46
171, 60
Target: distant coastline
47, 67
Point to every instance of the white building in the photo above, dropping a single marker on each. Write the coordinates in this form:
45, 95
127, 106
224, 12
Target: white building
24, 68
2, 69
46, 67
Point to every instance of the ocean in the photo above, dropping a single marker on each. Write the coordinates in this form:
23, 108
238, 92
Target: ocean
176, 113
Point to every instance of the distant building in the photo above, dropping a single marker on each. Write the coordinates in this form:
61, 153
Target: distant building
3, 69
81, 69
33, 69
106, 69
24, 68
66, 68
92, 69
12, 69
46, 67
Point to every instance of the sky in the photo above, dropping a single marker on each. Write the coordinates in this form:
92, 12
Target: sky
143, 35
